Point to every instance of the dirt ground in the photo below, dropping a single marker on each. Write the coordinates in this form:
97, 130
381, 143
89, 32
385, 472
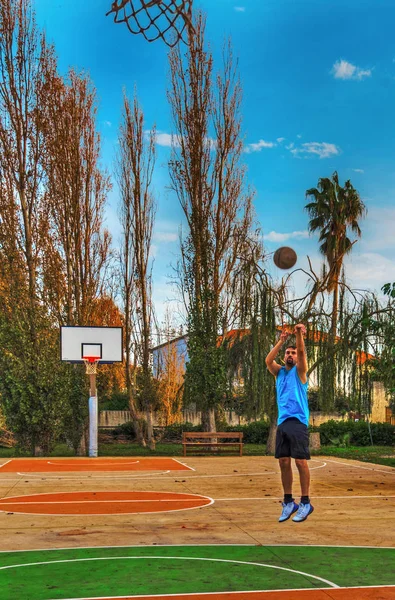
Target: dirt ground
354, 505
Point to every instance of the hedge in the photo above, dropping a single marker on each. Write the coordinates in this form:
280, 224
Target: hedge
355, 432
254, 433
383, 434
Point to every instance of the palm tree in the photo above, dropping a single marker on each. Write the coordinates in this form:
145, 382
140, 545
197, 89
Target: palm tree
333, 211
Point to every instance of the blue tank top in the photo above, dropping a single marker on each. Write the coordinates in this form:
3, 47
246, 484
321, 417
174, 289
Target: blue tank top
291, 396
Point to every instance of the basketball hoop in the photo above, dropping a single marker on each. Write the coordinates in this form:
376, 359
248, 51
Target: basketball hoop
91, 363
166, 19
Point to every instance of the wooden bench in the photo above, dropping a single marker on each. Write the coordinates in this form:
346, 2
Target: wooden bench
199, 439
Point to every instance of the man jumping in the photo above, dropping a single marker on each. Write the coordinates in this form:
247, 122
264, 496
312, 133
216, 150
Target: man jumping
292, 440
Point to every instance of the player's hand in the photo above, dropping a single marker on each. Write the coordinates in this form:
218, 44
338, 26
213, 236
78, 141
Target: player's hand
284, 335
300, 327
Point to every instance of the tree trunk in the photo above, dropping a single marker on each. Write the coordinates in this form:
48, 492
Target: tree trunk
271, 440
84, 443
150, 430
335, 307
208, 422
137, 425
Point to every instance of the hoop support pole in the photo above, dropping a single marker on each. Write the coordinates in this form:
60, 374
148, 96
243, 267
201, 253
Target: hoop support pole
93, 417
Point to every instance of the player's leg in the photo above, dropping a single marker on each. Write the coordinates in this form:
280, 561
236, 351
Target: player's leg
284, 459
299, 442
286, 474
304, 475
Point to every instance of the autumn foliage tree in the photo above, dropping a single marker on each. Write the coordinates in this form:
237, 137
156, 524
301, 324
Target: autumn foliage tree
33, 398
54, 251
169, 370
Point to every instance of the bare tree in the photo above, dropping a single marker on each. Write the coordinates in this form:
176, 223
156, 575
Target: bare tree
24, 56
77, 190
210, 184
134, 170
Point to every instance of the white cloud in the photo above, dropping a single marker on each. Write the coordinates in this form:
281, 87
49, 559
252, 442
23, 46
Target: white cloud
168, 140
279, 140
107, 123
290, 146
345, 70
165, 236
378, 230
363, 73
299, 136
321, 149
358, 171
370, 270
257, 147
274, 236
240, 8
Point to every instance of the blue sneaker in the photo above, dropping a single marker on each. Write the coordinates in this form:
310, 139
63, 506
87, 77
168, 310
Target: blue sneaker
304, 511
288, 510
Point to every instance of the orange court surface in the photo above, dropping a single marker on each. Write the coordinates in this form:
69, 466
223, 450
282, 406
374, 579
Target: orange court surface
43, 465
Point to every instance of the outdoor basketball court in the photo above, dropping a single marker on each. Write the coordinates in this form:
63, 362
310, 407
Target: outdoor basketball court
205, 527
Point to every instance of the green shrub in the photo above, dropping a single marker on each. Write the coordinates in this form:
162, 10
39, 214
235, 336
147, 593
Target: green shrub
117, 401
343, 441
173, 433
255, 432
127, 429
383, 434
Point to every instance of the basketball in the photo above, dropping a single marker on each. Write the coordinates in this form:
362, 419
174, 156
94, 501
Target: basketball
285, 257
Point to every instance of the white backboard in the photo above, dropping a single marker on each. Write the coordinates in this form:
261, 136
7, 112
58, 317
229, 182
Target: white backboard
104, 343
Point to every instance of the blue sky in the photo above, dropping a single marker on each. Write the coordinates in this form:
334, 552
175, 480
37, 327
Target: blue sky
319, 96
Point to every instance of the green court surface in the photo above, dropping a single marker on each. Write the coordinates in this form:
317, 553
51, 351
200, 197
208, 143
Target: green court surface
120, 571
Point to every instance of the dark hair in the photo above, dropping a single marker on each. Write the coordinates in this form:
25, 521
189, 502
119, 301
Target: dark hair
294, 347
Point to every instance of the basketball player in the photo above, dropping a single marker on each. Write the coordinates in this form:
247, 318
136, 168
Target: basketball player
292, 439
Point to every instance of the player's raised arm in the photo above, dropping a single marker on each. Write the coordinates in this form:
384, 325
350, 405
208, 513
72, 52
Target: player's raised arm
271, 364
300, 331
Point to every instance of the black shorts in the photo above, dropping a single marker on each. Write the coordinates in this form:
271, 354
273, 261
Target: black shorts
292, 440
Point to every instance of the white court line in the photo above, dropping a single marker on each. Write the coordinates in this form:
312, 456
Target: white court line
320, 467
338, 462
313, 497
198, 546
122, 514
94, 501
153, 476
43, 476
211, 501
222, 560
97, 462
6, 463
183, 464
95, 492
102, 501
194, 594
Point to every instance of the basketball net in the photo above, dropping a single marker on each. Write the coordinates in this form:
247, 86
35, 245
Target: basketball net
91, 365
166, 19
